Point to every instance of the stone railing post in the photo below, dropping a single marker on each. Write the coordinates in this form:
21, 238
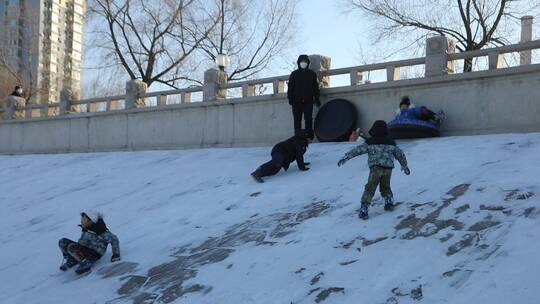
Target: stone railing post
162, 100
134, 89
393, 73
278, 86
437, 50
215, 85
356, 77
185, 97
320, 63
14, 108
248, 90
525, 57
8, 109
495, 60
66, 102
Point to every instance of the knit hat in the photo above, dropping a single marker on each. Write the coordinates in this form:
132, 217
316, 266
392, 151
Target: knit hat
405, 100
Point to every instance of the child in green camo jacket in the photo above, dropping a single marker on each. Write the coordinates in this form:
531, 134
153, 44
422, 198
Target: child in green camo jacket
381, 152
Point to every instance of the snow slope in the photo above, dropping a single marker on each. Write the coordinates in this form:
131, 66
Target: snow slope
194, 227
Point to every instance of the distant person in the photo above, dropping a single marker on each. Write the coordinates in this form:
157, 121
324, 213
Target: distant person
283, 154
17, 92
17, 105
381, 152
91, 246
408, 111
303, 91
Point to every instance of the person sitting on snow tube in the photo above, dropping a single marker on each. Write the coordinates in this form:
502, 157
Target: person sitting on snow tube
408, 111
412, 122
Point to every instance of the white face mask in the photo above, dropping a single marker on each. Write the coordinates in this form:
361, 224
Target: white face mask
303, 65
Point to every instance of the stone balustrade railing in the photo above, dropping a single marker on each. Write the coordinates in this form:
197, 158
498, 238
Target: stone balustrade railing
440, 60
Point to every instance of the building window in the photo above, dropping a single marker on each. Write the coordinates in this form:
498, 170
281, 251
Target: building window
13, 53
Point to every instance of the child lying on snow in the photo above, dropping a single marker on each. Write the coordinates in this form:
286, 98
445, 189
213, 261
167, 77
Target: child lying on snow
283, 154
381, 152
91, 246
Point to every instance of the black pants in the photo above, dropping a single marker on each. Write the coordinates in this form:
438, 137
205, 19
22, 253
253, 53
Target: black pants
76, 251
427, 114
272, 167
305, 109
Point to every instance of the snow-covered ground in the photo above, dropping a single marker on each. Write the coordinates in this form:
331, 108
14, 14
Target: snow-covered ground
195, 228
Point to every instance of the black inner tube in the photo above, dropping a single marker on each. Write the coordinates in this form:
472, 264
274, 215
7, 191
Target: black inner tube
335, 121
412, 131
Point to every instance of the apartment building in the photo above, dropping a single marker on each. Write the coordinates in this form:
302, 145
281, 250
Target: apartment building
44, 40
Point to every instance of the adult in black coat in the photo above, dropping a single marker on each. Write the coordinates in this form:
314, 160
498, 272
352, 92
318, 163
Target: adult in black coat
303, 91
283, 154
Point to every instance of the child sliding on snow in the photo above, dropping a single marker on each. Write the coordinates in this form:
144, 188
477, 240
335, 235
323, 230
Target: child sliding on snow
91, 246
381, 152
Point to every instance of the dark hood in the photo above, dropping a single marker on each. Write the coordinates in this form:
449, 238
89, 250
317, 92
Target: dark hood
98, 227
301, 137
301, 58
379, 129
303, 141
379, 134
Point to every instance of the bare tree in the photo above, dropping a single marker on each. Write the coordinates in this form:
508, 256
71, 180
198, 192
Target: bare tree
153, 40
104, 82
474, 24
7, 83
253, 33
19, 55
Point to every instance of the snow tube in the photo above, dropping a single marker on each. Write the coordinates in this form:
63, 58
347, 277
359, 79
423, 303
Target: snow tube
335, 121
406, 128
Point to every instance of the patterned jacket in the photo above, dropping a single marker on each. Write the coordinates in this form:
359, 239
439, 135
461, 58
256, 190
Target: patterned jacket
380, 153
99, 237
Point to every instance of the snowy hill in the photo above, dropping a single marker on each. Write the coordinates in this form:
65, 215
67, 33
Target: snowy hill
194, 227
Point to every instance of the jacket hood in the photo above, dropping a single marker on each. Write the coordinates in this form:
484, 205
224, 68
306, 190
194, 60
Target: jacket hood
301, 141
98, 224
98, 227
302, 137
379, 129
301, 58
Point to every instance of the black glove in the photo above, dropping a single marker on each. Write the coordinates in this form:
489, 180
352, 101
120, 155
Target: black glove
290, 102
342, 162
318, 103
406, 170
115, 258
304, 169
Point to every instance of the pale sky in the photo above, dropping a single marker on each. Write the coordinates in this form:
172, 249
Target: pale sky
326, 31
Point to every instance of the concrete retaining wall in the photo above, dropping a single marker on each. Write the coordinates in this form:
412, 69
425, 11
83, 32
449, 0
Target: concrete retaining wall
497, 101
